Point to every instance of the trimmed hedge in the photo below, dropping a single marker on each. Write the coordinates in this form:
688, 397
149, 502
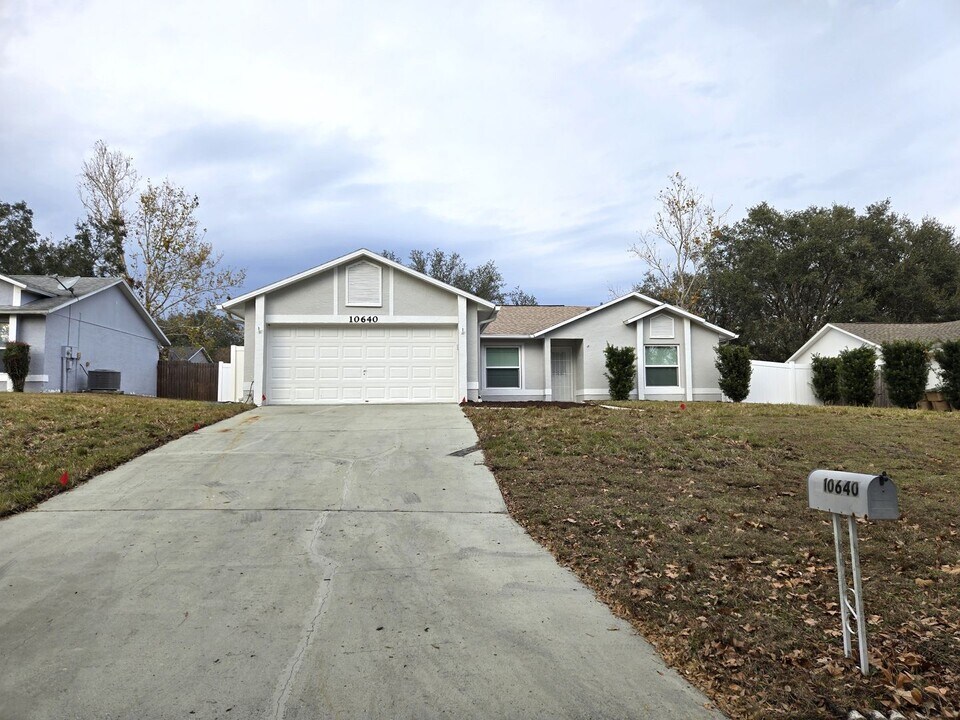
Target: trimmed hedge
16, 360
906, 366
733, 362
948, 357
826, 379
621, 370
857, 376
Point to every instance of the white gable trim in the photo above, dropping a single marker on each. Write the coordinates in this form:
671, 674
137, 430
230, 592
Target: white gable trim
598, 308
666, 307
823, 331
362, 253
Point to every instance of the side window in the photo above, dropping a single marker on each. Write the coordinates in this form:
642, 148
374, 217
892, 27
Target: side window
502, 367
661, 365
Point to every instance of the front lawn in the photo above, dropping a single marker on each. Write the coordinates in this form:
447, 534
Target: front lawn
693, 524
43, 436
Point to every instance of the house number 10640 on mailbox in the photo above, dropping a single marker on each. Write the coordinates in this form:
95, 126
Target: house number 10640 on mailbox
854, 494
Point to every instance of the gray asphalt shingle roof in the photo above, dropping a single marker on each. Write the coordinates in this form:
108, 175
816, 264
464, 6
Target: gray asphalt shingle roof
42, 284
888, 332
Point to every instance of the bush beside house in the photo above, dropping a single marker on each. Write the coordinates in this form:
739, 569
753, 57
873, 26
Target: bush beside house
948, 358
826, 379
906, 365
733, 363
857, 375
621, 370
16, 360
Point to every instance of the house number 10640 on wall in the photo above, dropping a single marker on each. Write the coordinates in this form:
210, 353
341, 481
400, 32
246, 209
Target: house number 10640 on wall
364, 319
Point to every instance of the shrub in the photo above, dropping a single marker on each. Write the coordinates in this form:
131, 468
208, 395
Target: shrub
948, 357
621, 370
906, 366
733, 362
857, 375
825, 380
16, 360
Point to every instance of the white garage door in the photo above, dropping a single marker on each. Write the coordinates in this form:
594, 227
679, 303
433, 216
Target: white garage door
316, 364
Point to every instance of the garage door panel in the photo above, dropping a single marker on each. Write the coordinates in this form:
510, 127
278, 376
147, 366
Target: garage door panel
309, 364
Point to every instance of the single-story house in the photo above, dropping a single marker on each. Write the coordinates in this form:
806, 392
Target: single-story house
75, 325
833, 338
189, 353
362, 328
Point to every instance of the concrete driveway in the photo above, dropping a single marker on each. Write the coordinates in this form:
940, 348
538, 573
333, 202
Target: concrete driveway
308, 563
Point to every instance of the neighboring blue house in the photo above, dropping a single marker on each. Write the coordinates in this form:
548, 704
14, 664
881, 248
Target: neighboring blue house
75, 325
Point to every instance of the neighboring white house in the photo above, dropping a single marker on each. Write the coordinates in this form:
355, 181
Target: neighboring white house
833, 338
364, 329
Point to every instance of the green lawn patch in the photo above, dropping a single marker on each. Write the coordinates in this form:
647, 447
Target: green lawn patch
43, 436
693, 524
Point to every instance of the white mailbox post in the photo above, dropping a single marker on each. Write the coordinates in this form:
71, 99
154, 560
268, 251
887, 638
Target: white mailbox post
872, 497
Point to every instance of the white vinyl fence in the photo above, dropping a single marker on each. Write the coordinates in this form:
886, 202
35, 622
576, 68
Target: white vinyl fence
230, 388
781, 383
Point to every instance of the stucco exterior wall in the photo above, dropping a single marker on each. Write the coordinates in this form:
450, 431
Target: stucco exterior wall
416, 297
6, 293
596, 330
109, 335
312, 296
706, 378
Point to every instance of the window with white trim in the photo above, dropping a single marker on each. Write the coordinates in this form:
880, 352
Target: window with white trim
661, 365
661, 326
364, 285
4, 331
502, 368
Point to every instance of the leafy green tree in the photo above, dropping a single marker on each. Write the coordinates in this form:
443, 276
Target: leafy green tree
24, 251
857, 375
778, 277
948, 358
906, 367
19, 242
733, 363
621, 363
826, 383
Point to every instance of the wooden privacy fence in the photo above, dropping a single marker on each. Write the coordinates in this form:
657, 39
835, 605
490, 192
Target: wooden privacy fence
187, 381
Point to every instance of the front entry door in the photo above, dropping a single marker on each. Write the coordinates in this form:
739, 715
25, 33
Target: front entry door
561, 372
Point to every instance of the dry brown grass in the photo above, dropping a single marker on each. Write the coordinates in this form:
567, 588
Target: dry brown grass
44, 436
693, 524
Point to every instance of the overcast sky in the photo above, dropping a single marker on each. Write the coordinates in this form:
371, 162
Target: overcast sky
536, 134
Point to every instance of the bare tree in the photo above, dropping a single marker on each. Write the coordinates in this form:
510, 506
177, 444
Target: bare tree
108, 180
675, 249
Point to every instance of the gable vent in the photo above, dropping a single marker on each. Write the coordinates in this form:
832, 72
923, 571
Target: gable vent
363, 285
661, 326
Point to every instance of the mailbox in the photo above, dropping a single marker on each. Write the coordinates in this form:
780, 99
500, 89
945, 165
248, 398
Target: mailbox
853, 494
